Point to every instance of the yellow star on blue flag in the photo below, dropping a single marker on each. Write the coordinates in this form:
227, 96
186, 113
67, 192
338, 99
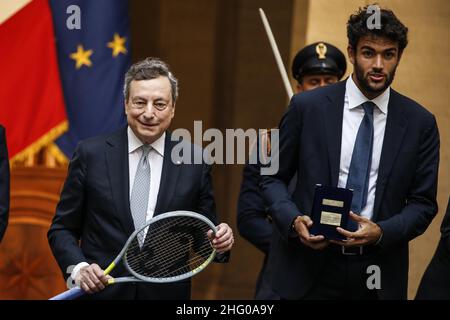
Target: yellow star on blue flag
92, 63
82, 57
118, 45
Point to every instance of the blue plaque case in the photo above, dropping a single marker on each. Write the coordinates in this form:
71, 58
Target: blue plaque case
331, 208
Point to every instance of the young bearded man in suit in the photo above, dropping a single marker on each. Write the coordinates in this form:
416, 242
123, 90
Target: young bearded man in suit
99, 206
4, 183
358, 134
316, 65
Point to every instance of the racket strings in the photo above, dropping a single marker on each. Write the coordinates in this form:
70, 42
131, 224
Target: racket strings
156, 233
169, 247
173, 255
191, 265
194, 228
180, 249
197, 259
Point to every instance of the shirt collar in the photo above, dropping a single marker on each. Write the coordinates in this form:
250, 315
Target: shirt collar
134, 143
356, 97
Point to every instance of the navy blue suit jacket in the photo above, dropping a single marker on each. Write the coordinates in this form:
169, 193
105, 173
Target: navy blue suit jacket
405, 198
253, 221
252, 211
254, 225
4, 183
93, 218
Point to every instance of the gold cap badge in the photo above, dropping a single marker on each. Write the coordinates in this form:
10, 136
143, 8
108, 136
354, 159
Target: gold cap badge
321, 50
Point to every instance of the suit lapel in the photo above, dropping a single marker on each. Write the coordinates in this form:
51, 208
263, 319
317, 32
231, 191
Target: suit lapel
169, 177
396, 124
333, 113
118, 171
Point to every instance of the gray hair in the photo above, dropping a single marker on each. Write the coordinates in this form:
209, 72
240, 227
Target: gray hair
150, 68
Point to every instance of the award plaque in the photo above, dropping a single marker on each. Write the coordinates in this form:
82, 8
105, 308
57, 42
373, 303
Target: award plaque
331, 209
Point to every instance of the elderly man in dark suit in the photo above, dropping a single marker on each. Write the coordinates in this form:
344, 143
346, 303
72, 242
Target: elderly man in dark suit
358, 134
102, 201
4, 183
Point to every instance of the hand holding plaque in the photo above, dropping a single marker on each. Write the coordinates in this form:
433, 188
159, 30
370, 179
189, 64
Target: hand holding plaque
302, 224
331, 208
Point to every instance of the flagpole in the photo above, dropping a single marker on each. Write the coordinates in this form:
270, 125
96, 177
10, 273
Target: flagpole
276, 53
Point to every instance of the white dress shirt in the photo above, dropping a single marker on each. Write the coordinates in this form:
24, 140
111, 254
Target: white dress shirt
155, 158
353, 115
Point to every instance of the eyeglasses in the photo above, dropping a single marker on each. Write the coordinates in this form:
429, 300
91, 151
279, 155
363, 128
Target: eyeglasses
140, 105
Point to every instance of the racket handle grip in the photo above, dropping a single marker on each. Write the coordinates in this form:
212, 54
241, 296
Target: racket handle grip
69, 294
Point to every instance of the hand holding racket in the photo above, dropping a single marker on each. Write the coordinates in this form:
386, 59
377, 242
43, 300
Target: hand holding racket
170, 247
91, 278
223, 239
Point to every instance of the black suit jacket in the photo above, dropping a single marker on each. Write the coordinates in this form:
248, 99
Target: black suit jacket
254, 225
253, 222
93, 218
4, 183
435, 284
405, 198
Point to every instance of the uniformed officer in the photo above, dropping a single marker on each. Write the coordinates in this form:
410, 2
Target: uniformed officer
318, 64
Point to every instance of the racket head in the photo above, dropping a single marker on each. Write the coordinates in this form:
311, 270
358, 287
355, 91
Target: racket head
171, 247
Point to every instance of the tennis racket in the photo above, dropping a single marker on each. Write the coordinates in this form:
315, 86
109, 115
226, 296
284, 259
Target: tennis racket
170, 247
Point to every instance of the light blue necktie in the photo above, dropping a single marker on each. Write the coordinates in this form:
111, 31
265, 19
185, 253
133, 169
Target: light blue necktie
141, 190
359, 172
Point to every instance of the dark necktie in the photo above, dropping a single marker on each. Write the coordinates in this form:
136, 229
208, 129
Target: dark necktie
359, 172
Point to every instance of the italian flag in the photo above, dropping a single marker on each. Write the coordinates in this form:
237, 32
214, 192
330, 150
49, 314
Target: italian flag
31, 99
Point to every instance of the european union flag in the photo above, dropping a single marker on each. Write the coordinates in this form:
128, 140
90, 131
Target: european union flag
93, 46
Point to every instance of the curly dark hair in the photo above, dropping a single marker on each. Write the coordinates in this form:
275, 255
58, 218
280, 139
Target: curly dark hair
391, 27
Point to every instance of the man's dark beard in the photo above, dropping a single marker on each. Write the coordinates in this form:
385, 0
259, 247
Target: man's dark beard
364, 83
